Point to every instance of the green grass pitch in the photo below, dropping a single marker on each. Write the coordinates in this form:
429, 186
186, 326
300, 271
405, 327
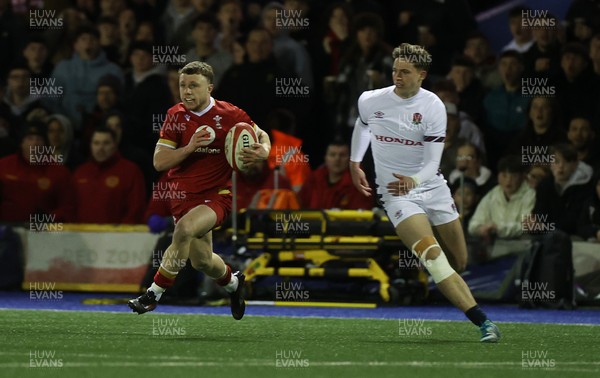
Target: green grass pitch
96, 344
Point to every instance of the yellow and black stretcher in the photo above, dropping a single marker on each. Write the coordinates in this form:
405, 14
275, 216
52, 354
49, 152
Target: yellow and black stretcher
329, 244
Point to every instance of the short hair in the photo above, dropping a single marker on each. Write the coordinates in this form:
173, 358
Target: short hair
198, 68
566, 150
517, 11
206, 18
477, 35
511, 164
140, 45
36, 39
106, 20
111, 81
468, 183
86, 29
369, 20
338, 142
445, 85
463, 61
106, 130
511, 54
415, 54
574, 48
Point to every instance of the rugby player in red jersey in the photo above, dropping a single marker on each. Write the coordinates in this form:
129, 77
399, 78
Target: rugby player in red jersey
191, 147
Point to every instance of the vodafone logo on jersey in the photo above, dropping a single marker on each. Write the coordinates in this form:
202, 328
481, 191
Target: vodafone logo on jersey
389, 139
205, 143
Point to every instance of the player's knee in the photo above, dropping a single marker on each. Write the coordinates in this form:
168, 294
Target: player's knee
431, 255
183, 232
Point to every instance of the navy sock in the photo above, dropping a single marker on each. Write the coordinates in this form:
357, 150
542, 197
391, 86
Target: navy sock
476, 316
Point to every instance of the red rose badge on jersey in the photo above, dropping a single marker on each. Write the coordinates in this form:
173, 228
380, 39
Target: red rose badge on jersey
417, 118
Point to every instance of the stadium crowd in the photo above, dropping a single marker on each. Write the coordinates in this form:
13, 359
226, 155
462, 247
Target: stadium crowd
85, 86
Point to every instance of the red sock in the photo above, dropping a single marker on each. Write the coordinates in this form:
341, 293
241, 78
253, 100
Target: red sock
163, 281
225, 279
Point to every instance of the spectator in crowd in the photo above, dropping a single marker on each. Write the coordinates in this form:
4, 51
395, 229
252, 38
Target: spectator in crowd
204, 32
80, 75
505, 106
127, 21
18, 91
582, 136
330, 186
334, 41
108, 188
559, 198
61, 138
146, 96
500, 212
108, 29
469, 88
230, 16
257, 75
183, 36
543, 129
111, 8
177, 14
60, 41
522, 36
12, 36
582, 19
536, 174
292, 58
589, 221
32, 183
115, 120
466, 199
108, 98
469, 163
286, 148
576, 89
453, 140
258, 176
367, 65
36, 58
543, 57
145, 32
7, 142
477, 48
467, 130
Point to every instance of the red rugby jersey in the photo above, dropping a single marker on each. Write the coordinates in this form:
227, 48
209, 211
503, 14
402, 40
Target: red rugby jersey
206, 168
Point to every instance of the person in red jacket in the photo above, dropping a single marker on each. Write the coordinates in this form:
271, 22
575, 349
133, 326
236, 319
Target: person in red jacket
330, 186
34, 185
108, 188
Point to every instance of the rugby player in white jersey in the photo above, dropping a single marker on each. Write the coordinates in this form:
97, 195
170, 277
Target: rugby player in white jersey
406, 127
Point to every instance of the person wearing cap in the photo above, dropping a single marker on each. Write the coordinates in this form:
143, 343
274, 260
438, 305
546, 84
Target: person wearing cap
33, 182
80, 75
500, 211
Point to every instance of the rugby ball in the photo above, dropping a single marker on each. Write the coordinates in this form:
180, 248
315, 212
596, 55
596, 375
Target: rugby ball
240, 136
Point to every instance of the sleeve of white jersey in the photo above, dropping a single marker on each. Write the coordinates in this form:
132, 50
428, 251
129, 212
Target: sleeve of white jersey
361, 135
433, 143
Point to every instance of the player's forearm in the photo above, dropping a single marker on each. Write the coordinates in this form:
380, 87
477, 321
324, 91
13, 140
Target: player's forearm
165, 159
361, 138
432, 157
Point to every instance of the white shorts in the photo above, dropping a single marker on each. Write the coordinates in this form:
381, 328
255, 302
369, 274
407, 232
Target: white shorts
436, 203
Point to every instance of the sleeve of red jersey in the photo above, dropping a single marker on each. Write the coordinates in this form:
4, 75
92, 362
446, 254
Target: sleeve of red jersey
242, 116
170, 131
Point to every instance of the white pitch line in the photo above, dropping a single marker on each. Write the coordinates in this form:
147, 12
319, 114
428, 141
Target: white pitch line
581, 366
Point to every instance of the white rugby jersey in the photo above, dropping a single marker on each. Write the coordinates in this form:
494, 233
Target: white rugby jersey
406, 135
